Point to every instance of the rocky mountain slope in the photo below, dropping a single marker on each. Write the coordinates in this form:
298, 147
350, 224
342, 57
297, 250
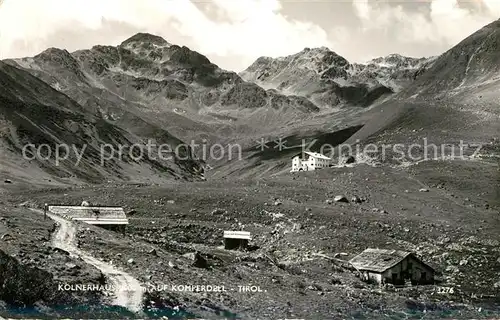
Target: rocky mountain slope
471, 63
180, 89
146, 85
164, 84
452, 104
393, 71
330, 80
455, 100
39, 125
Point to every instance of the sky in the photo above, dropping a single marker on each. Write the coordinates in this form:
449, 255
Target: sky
234, 33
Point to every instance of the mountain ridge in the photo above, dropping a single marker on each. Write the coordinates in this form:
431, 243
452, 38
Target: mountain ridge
148, 81
455, 99
36, 115
163, 81
330, 80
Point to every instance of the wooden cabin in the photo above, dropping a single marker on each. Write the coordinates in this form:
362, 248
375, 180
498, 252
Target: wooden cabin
392, 266
111, 218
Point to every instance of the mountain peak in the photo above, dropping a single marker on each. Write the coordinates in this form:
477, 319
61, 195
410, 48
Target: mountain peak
59, 56
143, 37
396, 60
317, 49
55, 51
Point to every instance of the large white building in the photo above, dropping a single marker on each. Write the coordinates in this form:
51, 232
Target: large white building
310, 161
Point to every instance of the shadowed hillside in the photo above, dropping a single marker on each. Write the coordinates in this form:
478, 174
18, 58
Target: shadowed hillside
31, 112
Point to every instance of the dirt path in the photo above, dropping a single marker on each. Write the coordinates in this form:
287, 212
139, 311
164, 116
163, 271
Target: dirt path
128, 292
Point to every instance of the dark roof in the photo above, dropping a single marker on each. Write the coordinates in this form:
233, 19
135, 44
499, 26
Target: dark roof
379, 260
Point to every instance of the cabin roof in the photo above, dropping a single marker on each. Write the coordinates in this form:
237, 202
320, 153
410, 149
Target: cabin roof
379, 260
92, 215
244, 235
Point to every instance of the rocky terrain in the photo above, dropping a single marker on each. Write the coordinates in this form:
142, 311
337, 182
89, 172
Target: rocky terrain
32, 271
150, 80
50, 124
331, 81
305, 226
472, 63
301, 240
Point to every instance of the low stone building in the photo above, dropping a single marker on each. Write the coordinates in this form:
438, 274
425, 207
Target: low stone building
236, 239
392, 266
111, 218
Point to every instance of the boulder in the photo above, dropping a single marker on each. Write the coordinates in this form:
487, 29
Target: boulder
356, 199
198, 260
71, 266
349, 160
340, 198
218, 211
189, 255
59, 250
5, 236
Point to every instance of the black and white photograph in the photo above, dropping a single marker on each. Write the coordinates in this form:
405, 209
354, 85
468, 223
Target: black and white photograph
250, 159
